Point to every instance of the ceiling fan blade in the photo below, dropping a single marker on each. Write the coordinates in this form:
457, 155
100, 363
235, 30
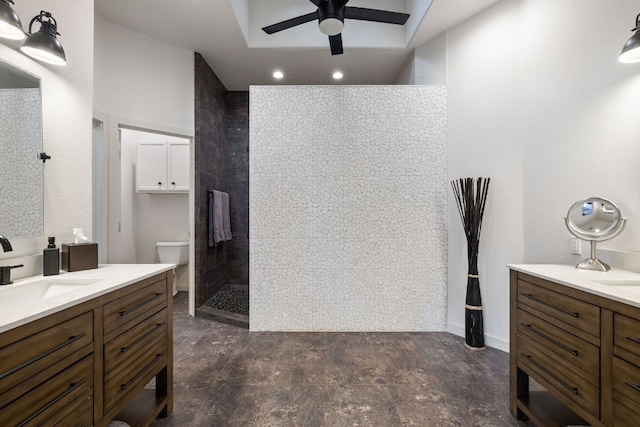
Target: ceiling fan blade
316, 2
336, 44
298, 20
375, 15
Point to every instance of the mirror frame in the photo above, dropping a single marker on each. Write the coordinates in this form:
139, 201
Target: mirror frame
593, 263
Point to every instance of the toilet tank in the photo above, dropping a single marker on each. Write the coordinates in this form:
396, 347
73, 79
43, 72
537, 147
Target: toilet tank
173, 252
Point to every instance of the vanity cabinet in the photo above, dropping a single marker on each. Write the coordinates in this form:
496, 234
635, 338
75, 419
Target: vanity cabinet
626, 370
582, 348
91, 363
46, 371
162, 167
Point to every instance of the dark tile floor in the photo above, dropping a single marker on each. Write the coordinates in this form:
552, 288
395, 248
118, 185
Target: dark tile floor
228, 376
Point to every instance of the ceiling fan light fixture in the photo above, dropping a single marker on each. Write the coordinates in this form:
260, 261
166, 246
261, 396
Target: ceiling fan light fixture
331, 17
10, 25
331, 26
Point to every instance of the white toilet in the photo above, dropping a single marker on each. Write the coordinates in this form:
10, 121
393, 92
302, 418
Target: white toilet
173, 253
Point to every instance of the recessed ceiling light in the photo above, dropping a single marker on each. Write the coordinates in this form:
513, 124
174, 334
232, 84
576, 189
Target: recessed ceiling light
338, 75
278, 75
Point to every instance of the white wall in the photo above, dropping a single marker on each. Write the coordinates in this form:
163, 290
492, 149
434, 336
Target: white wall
538, 102
141, 78
348, 190
588, 103
148, 84
427, 64
66, 109
149, 218
485, 139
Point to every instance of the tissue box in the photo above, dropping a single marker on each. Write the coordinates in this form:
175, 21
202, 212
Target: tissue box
79, 256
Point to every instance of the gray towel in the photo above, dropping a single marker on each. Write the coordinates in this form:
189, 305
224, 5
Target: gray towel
226, 219
212, 241
219, 219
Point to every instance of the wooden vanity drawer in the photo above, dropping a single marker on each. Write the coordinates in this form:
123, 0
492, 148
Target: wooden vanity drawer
43, 402
127, 308
22, 359
570, 388
124, 349
569, 310
626, 380
623, 416
78, 413
572, 352
136, 375
626, 336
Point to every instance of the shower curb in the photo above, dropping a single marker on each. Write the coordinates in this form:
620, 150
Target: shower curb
234, 319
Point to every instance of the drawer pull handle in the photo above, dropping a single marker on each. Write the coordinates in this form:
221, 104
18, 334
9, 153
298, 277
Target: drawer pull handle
551, 340
42, 355
123, 387
633, 386
635, 340
548, 304
71, 388
140, 304
142, 337
573, 390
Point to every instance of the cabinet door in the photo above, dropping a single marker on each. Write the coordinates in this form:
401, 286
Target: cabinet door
178, 166
151, 167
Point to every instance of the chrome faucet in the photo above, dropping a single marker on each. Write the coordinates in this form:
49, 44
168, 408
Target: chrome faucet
5, 271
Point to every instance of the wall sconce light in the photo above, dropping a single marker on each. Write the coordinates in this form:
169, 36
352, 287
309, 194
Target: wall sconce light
631, 50
10, 25
43, 45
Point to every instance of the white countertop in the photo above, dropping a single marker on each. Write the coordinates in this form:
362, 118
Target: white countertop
16, 310
624, 286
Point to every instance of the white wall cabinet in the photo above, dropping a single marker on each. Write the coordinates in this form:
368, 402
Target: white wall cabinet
162, 167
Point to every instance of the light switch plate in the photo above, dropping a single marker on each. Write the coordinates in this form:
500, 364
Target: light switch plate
575, 246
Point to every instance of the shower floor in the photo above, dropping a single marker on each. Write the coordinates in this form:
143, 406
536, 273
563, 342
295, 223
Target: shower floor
232, 298
229, 305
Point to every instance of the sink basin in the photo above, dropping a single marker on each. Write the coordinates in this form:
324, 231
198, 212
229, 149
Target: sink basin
40, 290
619, 283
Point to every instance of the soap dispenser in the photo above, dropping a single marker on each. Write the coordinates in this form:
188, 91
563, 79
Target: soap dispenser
51, 259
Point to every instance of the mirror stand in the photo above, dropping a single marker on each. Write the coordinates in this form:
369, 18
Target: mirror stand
594, 220
593, 263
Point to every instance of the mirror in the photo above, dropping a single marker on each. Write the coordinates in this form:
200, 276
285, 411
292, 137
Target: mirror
594, 219
21, 172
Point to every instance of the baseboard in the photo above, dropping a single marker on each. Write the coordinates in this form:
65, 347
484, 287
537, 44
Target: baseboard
489, 340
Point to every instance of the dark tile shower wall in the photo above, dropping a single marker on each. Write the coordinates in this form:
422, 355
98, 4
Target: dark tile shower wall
210, 169
237, 138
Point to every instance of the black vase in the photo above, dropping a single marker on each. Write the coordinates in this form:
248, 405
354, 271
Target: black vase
473, 319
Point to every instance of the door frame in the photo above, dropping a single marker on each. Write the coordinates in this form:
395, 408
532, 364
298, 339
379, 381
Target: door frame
115, 124
104, 181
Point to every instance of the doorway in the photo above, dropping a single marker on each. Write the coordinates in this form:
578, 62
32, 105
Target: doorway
114, 217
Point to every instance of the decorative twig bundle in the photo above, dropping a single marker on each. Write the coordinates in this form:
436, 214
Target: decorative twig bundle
471, 197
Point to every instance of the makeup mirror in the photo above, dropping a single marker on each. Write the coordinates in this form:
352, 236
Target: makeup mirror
594, 219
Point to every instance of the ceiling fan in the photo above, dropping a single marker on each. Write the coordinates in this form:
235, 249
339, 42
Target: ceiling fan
331, 15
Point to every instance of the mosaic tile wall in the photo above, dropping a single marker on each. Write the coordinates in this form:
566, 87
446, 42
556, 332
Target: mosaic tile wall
21, 194
348, 196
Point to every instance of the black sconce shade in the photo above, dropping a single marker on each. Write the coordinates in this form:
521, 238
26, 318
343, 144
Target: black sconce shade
10, 25
43, 45
631, 50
